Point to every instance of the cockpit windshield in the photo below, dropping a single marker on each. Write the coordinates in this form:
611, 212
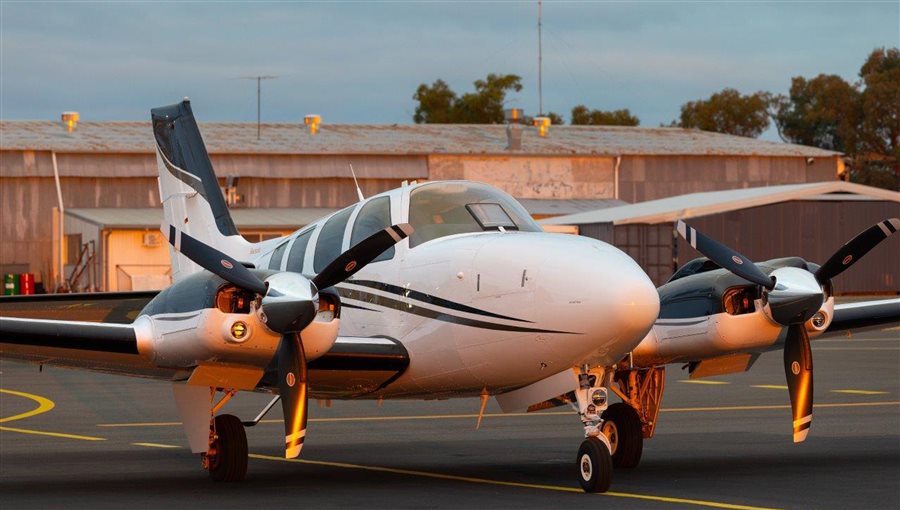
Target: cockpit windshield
445, 208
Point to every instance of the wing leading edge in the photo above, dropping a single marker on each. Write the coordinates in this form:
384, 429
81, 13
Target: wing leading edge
865, 315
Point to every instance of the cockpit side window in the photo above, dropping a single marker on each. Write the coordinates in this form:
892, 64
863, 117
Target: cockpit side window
328, 245
446, 208
374, 216
277, 256
298, 252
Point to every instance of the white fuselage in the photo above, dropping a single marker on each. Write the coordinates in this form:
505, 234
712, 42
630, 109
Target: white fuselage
492, 310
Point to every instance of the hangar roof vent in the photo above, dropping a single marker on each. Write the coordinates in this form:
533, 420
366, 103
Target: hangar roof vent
69, 120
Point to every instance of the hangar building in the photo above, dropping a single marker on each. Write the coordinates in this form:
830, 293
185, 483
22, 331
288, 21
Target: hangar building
112, 165
807, 220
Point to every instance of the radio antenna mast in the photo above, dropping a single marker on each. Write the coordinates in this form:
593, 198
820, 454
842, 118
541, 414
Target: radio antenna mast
358, 191
259, 80
540, 65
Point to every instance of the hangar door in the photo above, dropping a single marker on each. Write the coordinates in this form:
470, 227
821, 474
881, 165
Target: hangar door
650, 245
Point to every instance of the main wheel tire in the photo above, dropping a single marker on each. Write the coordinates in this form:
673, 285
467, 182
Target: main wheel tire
594, 466
229, 464
622, 426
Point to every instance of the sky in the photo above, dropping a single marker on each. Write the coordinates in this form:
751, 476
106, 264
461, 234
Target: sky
361, 62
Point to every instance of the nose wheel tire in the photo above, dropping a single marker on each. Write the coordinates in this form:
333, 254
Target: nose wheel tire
228, 463
622, 426
594, 465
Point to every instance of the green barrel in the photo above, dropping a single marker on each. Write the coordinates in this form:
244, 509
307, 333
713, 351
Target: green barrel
10, 284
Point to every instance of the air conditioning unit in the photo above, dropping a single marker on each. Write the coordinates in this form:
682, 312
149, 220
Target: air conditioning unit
153, 239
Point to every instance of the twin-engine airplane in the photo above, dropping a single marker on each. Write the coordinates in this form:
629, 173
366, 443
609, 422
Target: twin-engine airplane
432, 290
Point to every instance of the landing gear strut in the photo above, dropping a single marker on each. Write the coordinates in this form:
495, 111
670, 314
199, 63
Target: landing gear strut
628, 423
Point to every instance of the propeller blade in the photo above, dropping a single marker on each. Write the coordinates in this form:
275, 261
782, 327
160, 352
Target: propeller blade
798, 369
854, 250
214, 261
724, 256
356, 258
292, 386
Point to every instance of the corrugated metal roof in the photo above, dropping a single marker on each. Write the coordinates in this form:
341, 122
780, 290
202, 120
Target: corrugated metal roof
240, 138
667, 210
276, 218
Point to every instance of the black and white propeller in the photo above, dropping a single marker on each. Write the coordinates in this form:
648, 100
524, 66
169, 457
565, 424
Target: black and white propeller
793, 296
289, 304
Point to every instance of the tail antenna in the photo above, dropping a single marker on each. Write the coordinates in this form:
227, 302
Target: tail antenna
358, 191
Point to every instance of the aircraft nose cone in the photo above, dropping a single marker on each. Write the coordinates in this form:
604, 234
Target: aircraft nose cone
603, 295
631, 300
636, 302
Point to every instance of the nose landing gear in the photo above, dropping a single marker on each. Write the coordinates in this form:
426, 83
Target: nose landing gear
594, 465
594, 459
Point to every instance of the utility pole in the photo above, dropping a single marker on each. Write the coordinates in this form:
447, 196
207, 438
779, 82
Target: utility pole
540, 66
259, 80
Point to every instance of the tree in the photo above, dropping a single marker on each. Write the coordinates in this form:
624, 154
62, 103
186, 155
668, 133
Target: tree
877, 161
435, 103
582, 116
728, 112
555, 118
862, 120
821, 112
438, 104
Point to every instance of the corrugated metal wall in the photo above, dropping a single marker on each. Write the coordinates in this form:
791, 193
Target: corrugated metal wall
28, 193
649, 178
804, 228
812, 230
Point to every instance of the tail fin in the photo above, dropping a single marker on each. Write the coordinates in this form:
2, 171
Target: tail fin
188, 188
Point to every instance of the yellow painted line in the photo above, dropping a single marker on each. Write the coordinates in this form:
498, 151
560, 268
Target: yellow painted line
559, 488
702, 381
509, 415
156, 445
770, 386
142, 424
44, 405
51, 434
853, 340
776, 406
857, 349
860, 392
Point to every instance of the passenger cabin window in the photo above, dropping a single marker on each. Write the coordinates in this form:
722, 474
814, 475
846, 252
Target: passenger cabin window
328, 246
373, 217
277, 256
298, 252
446, 208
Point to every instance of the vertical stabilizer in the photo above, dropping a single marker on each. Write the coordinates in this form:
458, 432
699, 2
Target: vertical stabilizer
188, 188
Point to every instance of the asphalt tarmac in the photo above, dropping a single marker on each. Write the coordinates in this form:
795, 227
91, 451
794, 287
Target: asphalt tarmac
98, 441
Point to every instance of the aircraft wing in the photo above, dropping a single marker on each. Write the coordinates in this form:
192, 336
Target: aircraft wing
90, 331
108, 307
865, 315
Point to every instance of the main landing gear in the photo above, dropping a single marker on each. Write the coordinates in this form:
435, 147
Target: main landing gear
226, 456
614, 434
226, 459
